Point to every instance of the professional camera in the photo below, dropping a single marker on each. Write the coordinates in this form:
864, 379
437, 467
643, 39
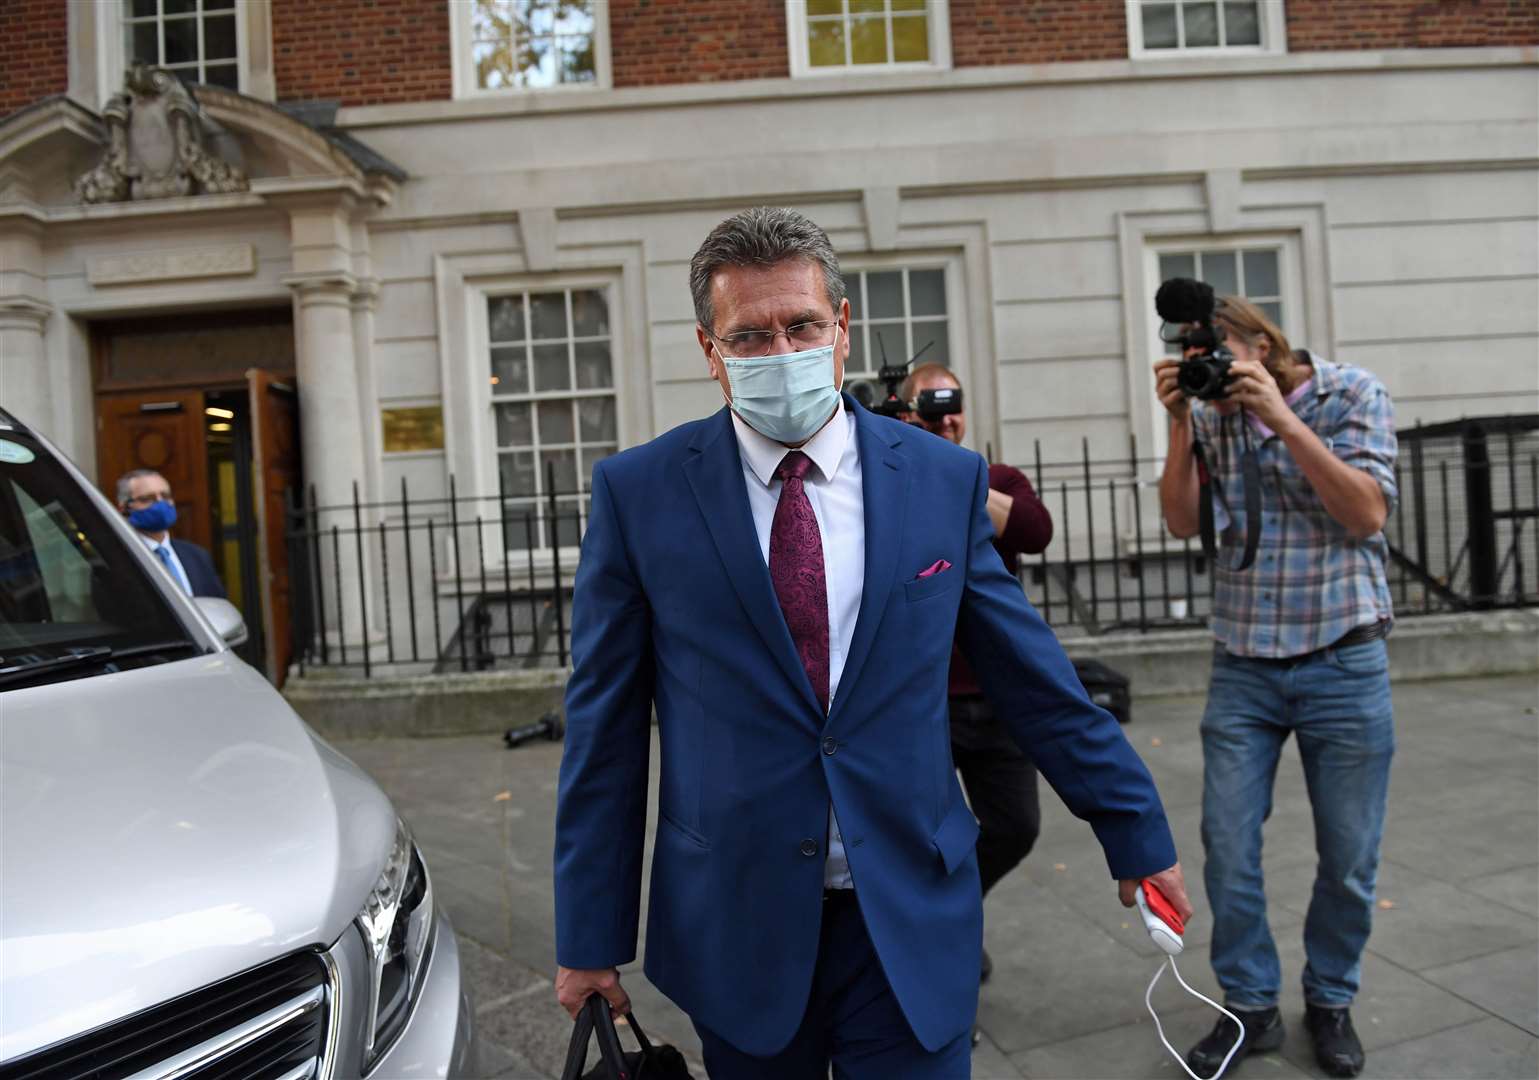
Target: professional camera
1187, 308
929, 406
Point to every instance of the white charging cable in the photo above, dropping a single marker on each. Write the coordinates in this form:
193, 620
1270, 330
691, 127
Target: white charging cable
1167, 936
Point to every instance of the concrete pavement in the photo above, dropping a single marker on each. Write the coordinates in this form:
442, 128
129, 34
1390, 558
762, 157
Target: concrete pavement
1450, 981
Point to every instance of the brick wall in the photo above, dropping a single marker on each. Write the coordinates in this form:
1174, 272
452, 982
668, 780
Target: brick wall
655, 42
1331, 25
34, 56
989, 32
362, 52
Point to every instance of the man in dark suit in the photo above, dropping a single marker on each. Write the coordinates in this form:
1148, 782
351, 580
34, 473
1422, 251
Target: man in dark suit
145, 499
782, 583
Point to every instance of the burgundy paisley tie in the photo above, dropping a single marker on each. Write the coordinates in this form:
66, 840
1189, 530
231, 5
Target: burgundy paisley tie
796, 571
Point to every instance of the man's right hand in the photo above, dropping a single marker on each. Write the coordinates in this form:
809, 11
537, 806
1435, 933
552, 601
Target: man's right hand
1176, 403
574, 985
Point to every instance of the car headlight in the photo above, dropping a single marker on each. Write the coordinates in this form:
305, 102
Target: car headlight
397, 924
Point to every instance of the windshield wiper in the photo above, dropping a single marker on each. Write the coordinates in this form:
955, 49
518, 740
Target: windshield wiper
34, 666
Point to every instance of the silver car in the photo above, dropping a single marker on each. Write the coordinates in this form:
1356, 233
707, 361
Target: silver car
192, 883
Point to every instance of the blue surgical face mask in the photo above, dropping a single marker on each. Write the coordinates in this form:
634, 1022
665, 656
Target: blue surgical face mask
159, 516
787, 397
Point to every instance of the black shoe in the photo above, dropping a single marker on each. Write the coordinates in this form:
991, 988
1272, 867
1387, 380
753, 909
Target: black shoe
1337, 1047
1263, 1031
986, 969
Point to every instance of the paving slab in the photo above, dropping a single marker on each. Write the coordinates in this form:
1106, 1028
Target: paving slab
1448, 978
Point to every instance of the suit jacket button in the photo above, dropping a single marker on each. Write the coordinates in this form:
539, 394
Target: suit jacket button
809, 847
830, 744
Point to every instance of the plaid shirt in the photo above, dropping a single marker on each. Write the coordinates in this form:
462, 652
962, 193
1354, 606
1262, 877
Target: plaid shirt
1311, 582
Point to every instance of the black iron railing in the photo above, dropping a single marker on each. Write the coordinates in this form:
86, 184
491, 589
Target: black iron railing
468, 583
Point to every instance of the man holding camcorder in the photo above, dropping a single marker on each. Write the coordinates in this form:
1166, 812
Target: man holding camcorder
1001, 780
1294, 460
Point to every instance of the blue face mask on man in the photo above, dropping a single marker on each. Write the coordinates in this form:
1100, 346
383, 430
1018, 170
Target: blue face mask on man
787, 397
157, 517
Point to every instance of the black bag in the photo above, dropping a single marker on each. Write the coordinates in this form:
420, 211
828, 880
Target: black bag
649, 1063
1107, 687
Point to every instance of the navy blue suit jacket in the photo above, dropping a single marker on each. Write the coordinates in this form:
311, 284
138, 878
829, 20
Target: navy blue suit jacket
674, 610
200, 569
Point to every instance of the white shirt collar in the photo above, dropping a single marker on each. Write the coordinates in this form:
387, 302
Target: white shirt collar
151, 543
763, 455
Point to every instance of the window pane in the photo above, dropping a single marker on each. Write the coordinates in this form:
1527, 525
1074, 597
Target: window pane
885, 292
143, 42
590, 313
225, 75
513, 424
219, 38
1182, 265
539, 16
853, 284
825, 7
555, 422
568, 526
927, 331
910, 39
564, 464
867, 7
857, 357
1273, 311
1159, 26
868, 40
1201, 24
577, 65
1220, 270
505, 318
908, 5
550, 368
179, 7
1241, 25
494, 64
181, 40
547, 313
825, 44
594, 369
218, 5
517, 473
143, 8
596, 419
1261, 273
591, 456
927, 292
489, 20
510, 371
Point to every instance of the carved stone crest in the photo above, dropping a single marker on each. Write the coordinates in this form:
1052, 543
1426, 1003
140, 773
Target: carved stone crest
157, 145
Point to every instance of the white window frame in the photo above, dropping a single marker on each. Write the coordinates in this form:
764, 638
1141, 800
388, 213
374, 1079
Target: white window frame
98, 55
480, 336
1270, 14
938, 14
1290, 281
462, 37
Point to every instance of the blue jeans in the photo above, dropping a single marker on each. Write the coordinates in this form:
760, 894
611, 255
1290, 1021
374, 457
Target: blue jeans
1337, 704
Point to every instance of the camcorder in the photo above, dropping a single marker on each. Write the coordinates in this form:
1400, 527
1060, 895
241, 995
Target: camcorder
884, 400
1187, 307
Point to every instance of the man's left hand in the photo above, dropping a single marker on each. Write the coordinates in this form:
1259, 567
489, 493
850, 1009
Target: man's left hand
1170, 882
1253, 386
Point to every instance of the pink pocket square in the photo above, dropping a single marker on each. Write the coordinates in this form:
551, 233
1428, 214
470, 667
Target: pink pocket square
930, 571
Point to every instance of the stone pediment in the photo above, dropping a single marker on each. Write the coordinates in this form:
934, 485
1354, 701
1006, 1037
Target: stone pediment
161, 140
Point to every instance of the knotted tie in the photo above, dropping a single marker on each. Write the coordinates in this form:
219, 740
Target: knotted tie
163, 553
796, 571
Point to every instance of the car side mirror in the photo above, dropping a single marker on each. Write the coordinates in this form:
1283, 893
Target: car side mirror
225, 617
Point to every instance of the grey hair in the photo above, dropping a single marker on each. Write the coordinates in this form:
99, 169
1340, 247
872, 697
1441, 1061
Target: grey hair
763, 236
125, 483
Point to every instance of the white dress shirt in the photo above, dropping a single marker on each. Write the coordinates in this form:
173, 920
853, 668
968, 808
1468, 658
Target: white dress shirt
178, 571
833, 487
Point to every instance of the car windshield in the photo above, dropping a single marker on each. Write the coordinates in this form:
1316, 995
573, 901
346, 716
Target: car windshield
74, 602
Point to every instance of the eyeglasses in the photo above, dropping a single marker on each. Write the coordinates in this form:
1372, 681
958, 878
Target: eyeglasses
151, 498
805, 335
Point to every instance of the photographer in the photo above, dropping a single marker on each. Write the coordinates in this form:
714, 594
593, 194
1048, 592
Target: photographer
1300, 651
1001, 781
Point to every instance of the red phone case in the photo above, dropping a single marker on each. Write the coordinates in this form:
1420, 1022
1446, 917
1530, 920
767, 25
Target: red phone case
1162, 906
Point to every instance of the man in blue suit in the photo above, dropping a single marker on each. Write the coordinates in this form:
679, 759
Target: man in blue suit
782, 582
145, 499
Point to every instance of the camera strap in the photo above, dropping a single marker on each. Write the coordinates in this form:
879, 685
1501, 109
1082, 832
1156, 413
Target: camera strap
1250, 473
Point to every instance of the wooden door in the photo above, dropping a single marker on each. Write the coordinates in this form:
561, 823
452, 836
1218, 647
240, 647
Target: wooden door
160, 430
275, 471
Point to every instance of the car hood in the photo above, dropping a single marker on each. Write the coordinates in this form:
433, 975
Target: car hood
162, 829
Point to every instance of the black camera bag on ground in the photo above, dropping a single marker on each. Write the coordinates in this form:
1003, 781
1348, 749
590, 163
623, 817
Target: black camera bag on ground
662, 1062
1107, 687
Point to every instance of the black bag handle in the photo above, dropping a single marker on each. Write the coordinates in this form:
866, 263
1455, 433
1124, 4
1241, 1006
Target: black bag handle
595, 1018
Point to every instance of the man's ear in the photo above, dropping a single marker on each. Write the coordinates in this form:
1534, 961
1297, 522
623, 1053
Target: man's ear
706, 346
